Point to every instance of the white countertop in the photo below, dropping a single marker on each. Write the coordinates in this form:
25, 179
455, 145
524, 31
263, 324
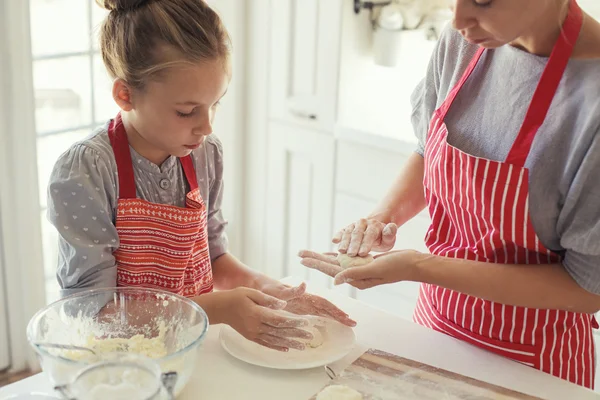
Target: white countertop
220, 376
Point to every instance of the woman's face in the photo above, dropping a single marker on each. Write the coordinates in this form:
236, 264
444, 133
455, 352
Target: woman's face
494, 23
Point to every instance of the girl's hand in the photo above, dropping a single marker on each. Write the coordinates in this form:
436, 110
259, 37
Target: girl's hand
281, 291
364, 236
309, 304
389, 267
302, 303
250, 312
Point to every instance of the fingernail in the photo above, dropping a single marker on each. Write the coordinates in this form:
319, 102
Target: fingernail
339, 280
281, 304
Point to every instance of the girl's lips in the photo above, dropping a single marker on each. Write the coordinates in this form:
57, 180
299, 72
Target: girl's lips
193, 146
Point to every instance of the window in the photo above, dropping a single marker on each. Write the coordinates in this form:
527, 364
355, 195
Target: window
72, 94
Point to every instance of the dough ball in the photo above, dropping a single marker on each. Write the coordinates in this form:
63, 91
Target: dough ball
339, 392
316, 341
349, 262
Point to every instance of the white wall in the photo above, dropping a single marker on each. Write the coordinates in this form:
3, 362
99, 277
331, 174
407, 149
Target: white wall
372, 98
376, 99
591, 6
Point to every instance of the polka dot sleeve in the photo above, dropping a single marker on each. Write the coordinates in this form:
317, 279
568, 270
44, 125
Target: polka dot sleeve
81, 204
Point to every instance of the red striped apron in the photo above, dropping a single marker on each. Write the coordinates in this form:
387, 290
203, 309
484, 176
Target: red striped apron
480, 211
160, 246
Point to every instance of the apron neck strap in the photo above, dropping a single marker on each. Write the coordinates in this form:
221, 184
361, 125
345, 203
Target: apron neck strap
120, 145
190, 172
443, 110
548, 85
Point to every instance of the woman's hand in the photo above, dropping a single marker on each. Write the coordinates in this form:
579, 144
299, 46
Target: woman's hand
389, 267
251, 313
366, 235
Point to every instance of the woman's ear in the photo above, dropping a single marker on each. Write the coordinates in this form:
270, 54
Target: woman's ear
122, 93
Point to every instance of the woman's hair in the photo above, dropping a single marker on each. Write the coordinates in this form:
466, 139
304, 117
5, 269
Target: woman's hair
141, 38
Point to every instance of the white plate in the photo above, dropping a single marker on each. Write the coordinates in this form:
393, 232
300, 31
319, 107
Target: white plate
338, 341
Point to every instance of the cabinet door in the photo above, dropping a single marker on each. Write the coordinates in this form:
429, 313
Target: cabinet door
299, 199
304, 61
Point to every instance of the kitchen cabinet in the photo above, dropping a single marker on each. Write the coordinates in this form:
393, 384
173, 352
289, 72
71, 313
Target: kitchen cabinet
304, 61
299, 198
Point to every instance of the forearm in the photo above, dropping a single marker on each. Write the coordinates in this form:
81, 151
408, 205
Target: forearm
406, 198
214, 307
541, 286
230, 273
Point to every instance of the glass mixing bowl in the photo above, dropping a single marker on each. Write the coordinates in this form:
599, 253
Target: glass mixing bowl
162, 326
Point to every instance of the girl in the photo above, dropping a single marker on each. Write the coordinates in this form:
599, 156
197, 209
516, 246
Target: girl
138, 203
508, 121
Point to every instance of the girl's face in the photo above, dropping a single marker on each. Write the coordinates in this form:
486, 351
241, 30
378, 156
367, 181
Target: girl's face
494, 23
173, 115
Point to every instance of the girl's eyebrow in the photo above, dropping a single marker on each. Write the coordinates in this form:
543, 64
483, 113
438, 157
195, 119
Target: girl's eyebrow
193, 103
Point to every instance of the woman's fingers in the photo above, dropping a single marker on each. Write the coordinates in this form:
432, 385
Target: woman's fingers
324, 266
325, 257
356, 237
346, 237
370, 238
388, 237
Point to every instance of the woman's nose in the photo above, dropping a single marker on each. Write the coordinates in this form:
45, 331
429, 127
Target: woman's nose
463, 15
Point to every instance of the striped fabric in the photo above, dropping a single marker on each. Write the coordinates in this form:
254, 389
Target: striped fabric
161, 246
164, 247
480, 211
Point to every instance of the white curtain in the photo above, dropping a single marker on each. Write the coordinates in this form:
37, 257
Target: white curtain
22, 281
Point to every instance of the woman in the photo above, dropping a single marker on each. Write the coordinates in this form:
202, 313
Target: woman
508, 121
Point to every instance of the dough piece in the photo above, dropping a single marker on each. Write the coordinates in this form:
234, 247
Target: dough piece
349, 262
316, 341
339, 392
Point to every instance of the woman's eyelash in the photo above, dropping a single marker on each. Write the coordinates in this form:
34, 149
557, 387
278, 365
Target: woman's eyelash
486, 4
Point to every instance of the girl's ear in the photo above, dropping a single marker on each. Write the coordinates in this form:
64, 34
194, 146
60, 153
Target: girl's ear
122, 93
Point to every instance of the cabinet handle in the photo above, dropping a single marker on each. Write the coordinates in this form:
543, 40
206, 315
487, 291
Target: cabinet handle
302, 107
303, 114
